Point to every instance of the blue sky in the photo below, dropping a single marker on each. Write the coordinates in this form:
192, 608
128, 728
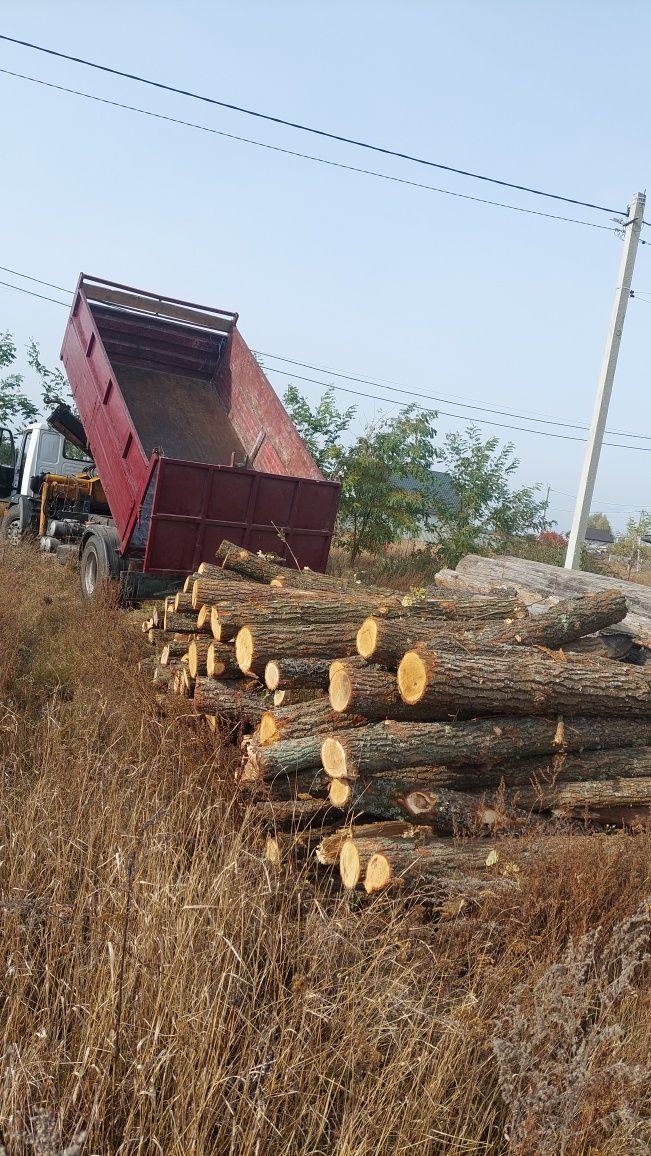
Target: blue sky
441, 295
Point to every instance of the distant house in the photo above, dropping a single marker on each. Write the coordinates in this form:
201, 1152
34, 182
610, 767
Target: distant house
438, 487
597, 541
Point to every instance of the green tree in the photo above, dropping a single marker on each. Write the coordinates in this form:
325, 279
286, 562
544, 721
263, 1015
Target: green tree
53, 382
488, 512
385, 474
631, 546
321, 428
600, 522
16, 408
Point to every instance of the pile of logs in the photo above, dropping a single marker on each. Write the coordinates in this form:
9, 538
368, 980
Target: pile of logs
377, 728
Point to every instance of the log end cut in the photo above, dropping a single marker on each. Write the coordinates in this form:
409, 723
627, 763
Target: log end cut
341, 690
350, 865
244, 649
378, 873
367, 638
333, 757
339, 793
272, 675
412, 677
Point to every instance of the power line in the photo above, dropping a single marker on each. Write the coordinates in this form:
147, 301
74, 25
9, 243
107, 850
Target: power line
391, 388
31, 293
36, 280
307, 128
305, 156
374, 397
457, 416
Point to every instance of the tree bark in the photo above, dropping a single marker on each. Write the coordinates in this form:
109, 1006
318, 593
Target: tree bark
255, 646
478, 608
292, 813
220, 661
183, 603
536, 580
297, 673
284, 786
173, 650
302, 721
234, 701
287, 756
566, 622
448, 812
583, 798
293, 697
526, 683
388, 746
406, 862
357, 851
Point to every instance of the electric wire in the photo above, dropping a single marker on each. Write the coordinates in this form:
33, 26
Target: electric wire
374, 397
305, 128
309, 156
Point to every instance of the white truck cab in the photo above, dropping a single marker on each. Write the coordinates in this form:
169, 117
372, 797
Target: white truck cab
41, 450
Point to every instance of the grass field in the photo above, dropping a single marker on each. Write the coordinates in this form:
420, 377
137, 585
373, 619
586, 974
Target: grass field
162, 990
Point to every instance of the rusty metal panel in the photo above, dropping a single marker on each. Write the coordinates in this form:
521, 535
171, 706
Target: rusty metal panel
196, 506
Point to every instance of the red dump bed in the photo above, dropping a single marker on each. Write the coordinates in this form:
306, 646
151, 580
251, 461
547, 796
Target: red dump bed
190, 440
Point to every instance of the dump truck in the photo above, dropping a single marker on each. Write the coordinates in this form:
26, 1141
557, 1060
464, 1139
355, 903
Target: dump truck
180, 442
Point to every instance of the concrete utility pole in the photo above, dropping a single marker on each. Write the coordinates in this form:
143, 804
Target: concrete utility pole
633, 229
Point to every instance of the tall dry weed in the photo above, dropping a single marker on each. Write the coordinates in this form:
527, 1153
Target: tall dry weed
163, 990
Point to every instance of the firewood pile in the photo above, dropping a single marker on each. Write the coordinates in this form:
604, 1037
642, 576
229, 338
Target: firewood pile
386, 734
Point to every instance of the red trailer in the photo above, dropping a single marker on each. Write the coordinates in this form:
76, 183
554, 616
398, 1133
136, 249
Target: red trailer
191, 443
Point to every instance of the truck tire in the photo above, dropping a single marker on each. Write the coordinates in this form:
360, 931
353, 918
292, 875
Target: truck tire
100, 562
10, 530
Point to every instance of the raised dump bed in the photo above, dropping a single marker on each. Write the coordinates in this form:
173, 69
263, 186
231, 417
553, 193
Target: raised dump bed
191, 443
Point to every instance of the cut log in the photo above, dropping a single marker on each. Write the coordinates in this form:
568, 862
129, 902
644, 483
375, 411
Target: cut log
446, 811
182, 603
296, 673
283, 787
367, 691
204, 617
481, 742
329, 849
477, 608
385, 640
289, 756
182, 622
221, 662
364, 842
407, 865
579, 798
566, 622
537, 580
255, 646
234, 701
524, 682
260, 569
197, 655
302, 721
187, 585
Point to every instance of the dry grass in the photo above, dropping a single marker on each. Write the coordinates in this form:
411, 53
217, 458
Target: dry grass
164, 992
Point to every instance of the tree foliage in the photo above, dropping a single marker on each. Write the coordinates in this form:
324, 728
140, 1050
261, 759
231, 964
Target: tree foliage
320, 427
16, 407
385, 475
600, 522
382, 473
632, 546
489, 512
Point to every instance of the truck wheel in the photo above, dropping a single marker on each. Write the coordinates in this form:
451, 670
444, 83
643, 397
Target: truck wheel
95, 569
10, 531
